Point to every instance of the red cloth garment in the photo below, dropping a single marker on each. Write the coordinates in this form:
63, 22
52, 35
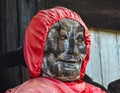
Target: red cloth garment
50, 85
35, 39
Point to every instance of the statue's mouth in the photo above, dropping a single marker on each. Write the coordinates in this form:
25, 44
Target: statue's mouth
71, 60
65, 70
67, 65
68, 70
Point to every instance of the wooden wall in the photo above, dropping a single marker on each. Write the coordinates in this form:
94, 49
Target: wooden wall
15, 16
96, 13
104, 65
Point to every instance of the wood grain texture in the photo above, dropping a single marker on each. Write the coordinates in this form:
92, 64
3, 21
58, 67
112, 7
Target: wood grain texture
107, 54
94, 63
15, 17
95, 13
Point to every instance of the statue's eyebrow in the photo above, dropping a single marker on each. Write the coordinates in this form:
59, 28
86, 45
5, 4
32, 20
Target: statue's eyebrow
63, 33
80, 35
56, 25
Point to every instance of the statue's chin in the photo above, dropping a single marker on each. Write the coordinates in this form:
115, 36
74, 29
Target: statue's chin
67, 79
65, 71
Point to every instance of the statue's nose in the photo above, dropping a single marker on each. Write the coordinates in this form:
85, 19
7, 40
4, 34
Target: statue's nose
72, 48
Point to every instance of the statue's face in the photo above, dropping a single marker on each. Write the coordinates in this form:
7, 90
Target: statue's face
65, 49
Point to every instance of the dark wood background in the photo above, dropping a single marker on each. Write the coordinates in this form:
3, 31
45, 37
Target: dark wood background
15, 16
95, 13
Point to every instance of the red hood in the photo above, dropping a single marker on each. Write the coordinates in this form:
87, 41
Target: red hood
36, 35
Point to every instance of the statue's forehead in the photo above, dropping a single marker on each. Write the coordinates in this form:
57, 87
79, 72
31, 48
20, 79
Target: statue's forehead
65, 24
68, 22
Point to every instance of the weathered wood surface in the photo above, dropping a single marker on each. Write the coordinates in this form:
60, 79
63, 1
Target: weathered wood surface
104, 65
15, 16
95, 13
9, 42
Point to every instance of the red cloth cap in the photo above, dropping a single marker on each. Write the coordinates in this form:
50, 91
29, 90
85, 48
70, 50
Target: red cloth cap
36, 35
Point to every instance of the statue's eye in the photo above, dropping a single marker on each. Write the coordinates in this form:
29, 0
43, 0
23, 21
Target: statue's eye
63, 37
63, 34
80, 38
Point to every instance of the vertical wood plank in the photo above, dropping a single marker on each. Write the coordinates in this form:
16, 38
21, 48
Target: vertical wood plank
118, 49
104, 65
11, 25
42, 4
26, 10
3, 37
94, 66
0, 27
9, 77
3, 26
109, 56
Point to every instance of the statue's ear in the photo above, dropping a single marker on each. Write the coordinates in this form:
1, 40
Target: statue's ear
12, 58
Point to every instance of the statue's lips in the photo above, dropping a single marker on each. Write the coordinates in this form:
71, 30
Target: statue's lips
67, 70
70, 65
69, 61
